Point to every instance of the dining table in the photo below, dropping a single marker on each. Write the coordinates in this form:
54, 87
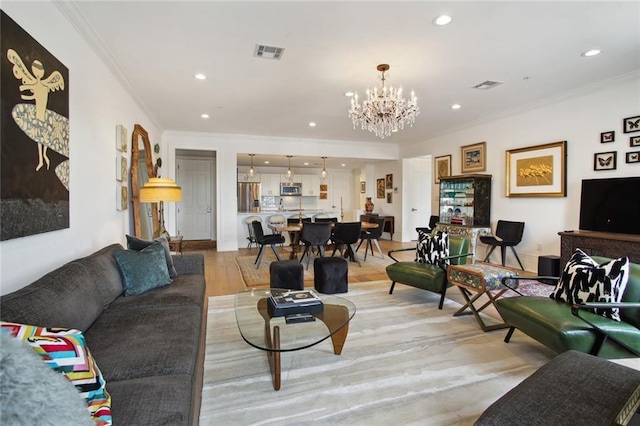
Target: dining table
296, 228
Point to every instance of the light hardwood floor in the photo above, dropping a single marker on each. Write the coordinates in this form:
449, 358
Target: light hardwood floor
223, 276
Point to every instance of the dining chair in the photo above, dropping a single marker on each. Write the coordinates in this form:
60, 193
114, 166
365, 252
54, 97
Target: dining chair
508, 234
264, 241
251, 237
371, 236
345, 235
314, 235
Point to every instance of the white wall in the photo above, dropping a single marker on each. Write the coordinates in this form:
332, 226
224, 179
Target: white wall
578, 118
98, 102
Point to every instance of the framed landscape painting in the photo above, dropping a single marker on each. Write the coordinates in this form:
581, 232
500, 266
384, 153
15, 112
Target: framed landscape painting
537, 171
474, 157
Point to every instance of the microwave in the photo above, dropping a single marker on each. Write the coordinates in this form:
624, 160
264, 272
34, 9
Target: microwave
293, 188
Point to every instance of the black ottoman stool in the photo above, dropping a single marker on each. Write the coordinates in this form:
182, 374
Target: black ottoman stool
286, 274
330, 275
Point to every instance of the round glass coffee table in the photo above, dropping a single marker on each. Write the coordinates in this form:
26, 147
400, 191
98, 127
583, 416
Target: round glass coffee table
273, 335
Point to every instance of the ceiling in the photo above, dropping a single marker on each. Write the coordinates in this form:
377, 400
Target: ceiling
533, 48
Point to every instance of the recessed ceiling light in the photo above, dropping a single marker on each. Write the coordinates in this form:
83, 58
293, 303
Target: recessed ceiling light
306, 163
312, 124
266, 162
204, 115
349, 93
456, 106
200, 76
442, 20
343, 165
592, 52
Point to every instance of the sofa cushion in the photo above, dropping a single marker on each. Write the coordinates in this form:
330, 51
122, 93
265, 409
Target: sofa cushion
156, 400
142, 270
31, 391
185, 290
583, 280
66, 297
66, 351
104, 271
138, 244
145, 342
432, 248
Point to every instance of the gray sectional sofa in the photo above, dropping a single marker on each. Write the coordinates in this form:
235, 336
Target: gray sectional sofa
150, 347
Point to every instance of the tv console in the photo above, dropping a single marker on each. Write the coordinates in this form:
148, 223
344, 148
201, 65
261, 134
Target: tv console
607, 244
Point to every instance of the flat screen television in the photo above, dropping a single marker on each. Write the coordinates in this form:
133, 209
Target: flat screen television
610, 205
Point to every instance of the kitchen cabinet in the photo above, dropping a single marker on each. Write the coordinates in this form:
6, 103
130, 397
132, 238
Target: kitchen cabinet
466, 200
242, 177
270, 185
310, 185
296, 178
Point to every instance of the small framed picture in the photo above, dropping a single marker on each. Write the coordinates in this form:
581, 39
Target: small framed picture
324, 187
379, 188
323, 195
633, 157
119, 170
442, 167
363, 187
631, 124
474, 157
607, 136
634, 141
604, 160
389, 181
389, 197
122, 198
121, 138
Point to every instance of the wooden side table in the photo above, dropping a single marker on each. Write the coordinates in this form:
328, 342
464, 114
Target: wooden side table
479, 278
175, 244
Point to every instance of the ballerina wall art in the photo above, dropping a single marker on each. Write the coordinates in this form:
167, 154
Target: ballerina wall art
34, 136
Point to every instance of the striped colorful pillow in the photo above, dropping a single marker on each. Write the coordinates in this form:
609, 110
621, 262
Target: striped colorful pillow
66, 351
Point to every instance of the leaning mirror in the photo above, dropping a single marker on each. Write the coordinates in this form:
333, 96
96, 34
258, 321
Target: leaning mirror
145, 215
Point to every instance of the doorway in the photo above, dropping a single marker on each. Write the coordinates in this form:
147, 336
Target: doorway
196, 213
417, 207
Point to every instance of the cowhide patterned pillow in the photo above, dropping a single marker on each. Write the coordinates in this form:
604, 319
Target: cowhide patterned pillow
583, 280
432, 248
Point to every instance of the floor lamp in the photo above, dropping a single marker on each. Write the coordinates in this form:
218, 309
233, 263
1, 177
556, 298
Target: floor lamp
160, 190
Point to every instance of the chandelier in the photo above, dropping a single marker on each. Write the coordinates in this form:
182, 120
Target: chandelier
384, 111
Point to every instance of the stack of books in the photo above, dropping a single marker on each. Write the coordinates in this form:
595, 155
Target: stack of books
294, 302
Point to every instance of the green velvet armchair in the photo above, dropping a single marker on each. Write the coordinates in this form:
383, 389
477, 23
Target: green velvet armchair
562, 327
424, 275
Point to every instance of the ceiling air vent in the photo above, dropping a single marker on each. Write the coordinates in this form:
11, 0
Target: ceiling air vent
487, 85
268, 52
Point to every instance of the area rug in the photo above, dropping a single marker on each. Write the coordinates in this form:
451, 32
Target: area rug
404, 362
257, 277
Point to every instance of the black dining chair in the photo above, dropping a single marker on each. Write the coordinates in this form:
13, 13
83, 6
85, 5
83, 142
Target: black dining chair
345, 235
371, 236
264, 241
508, 234
314, 235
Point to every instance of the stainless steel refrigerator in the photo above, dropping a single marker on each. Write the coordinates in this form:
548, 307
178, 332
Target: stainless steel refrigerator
248, 197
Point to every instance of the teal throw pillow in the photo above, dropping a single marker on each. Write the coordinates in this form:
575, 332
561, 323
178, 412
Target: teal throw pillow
142, 270
134, 243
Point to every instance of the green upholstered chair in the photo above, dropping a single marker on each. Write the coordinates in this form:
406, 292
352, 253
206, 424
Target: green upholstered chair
424, 275
562, 327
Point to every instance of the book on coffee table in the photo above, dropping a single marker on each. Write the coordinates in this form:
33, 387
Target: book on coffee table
294, 302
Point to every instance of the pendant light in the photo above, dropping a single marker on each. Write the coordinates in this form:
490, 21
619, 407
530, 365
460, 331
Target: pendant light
289, 174
252, 172
324, 173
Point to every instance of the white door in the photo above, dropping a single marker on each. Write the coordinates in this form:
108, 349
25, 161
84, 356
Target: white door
341, 196
417, 209
195, 213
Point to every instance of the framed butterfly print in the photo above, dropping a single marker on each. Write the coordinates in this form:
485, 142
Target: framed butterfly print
604, 160
634, 141
606, 137
631, 124
537, 171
